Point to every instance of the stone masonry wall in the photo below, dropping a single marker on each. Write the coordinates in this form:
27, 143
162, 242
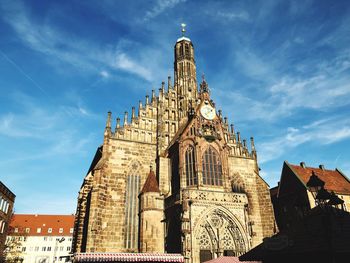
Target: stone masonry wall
107, 211
259, 203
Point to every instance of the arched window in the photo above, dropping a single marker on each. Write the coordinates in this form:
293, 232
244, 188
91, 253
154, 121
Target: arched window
190, 163
212, 174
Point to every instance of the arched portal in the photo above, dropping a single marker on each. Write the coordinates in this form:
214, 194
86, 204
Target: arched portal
218, 234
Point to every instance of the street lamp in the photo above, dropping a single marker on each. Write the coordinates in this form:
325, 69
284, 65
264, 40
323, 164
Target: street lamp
315, 184
316, 187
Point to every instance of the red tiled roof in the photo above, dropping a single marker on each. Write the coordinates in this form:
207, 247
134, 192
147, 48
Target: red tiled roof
229, 260
128, 257
151, 184
334, 180
44, 222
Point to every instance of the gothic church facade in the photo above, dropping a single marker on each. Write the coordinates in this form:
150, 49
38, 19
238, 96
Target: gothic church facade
202, 197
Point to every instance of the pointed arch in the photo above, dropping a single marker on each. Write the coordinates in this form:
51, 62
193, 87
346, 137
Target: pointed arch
218, 229
211, 167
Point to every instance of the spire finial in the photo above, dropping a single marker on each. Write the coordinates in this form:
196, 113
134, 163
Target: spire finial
183, 30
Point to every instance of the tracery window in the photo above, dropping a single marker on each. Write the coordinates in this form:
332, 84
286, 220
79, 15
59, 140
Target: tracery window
211, 164
132, 208
190, 165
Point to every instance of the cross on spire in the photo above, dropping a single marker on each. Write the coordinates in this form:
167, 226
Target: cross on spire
183, 30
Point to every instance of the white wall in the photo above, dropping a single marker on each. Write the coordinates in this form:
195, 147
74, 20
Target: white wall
43, 249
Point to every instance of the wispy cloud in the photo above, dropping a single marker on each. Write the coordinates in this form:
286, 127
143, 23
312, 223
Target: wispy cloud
323, 132
232, 16
160, 7
122, 61
68, 48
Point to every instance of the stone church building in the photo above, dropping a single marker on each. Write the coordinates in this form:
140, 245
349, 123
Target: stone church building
174, 178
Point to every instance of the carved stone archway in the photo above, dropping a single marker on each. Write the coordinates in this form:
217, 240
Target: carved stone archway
218, 234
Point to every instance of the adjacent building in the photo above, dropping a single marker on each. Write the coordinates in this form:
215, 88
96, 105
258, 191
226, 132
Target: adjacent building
292, 198
7, 199
174, 177
40, 238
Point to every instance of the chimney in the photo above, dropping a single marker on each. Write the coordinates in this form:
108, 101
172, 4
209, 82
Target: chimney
147, 97
321, 166
302, 164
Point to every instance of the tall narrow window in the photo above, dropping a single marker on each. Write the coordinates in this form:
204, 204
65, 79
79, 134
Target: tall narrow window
131, 211
191, 175
212, 171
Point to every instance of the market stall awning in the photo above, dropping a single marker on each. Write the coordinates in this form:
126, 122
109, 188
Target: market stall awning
229, 260
127, 257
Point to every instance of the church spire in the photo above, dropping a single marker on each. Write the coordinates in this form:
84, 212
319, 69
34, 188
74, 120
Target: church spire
185, 72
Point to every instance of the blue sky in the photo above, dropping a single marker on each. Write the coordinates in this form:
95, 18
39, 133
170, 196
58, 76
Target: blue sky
279, 70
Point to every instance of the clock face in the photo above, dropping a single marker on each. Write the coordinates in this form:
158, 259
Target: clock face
208, 112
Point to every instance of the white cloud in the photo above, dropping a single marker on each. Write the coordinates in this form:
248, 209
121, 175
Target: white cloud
324, 132
160, 7
231, 16
122, 61
67, 48
104, 74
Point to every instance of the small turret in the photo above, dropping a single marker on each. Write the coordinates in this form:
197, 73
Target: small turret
108, 124
233, 135
169, 83
140, 107
245, 144
239, 137
132, 114
153, 99
125, 118
147, 100
151, 216
252, 146
117, 126
163, 84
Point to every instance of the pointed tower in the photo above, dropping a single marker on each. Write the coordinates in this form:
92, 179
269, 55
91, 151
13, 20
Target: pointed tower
185, 73
151, 216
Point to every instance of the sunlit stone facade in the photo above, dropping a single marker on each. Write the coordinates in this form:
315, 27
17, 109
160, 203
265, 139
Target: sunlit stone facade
203, 196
